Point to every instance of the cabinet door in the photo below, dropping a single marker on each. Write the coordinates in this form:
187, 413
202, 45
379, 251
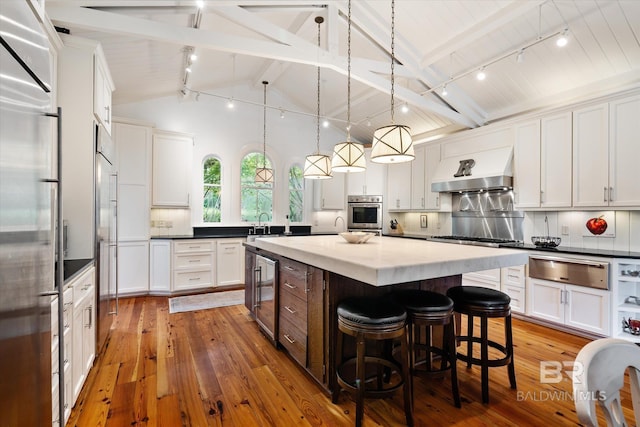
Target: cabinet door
160, 266
249, 281
171, 165
624, 152
418, 182
545, 300
374, 178
230, 266
399, 186
590, 156
88, 332
434, 200
356, 183
555, 167
77, 363
526, 165
133, 267
588, 309
330, 193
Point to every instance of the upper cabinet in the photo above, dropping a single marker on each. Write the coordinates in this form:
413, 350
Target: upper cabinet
605, 154
172, 159
433, 199
102, 88
526, 165
78, 61
418, 181
555, 161
369, 182
329, 193
399, 187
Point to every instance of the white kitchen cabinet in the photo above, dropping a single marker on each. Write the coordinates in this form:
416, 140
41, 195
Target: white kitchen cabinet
160, 266
370, 182
102, 87
578, 307
193, 264
555, 161
133, 149
590, 156
485, 278
399, 187
526, 165
229, 262
624, 151
433, 199
512, 283
329, 194
66, 341
75, 90
133, 267
418, 178
625, 285
172, 159
83, 329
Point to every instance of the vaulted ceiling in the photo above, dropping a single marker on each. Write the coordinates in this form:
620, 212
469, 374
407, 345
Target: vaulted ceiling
437, 43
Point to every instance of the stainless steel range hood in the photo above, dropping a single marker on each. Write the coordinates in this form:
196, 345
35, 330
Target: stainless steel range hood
484, 170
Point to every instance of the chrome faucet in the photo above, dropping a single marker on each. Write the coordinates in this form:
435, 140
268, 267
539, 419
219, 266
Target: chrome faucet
260, 217
335, 223
263, 228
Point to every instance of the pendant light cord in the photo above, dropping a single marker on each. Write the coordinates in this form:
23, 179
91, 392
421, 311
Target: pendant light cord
349, 75
319, 20
264, 127
393, 34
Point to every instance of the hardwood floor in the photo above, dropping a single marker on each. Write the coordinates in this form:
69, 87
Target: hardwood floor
214, 368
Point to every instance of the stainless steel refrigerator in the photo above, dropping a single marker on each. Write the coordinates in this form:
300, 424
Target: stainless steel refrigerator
106, 253
28, 215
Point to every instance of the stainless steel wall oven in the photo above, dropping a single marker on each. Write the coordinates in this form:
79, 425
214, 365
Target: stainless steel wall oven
364, 212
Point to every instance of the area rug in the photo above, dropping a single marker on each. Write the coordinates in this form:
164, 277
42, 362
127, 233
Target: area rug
204, 301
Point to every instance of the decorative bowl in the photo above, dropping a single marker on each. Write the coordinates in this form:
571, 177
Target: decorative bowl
546, 241
356, 236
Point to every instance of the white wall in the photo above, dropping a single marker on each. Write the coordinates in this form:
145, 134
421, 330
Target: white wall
231, 134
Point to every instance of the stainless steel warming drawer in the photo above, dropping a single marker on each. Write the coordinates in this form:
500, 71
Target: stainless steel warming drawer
593, 274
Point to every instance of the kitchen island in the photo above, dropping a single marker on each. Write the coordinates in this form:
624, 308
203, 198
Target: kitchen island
314, 273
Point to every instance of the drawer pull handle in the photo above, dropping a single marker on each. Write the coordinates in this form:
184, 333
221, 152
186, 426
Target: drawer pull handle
288, 267
194, 278
292, 341
290, 310
194, 247
194, 260
290, 286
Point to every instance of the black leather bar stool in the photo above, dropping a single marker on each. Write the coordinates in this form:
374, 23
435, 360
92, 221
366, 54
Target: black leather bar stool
475, 301
375, 320
427, 309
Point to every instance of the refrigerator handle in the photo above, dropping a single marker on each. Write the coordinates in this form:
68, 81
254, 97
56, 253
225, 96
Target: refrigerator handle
115, 202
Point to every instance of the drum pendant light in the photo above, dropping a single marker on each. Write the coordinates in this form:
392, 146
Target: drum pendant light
392, 143
318, 166
264, 174
348, 156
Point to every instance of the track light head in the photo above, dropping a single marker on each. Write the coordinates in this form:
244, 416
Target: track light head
563, 38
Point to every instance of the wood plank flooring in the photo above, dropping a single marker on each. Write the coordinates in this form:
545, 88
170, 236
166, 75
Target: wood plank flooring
214, 368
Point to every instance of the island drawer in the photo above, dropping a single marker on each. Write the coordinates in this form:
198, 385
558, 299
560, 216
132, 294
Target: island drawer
293, 278
294, 309
294, 340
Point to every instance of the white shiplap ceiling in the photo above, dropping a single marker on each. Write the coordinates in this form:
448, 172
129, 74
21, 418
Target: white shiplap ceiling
246, 42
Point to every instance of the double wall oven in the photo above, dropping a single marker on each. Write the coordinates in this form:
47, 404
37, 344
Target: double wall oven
364, 213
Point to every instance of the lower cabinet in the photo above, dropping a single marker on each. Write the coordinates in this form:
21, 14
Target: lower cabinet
578, 307
160, 266
193, 264
512, 283
486, 279
229, 262
83, 329
133, 267
66, 343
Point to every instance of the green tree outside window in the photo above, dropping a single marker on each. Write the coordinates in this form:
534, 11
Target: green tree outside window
255, 198
296, 193
211, 190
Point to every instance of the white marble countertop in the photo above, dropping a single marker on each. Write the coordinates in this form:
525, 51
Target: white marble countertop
388, 260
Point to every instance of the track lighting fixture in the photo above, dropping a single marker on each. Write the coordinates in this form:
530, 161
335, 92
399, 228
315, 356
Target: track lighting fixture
563, 39
520, 57
481, 74
444, 90
230, 104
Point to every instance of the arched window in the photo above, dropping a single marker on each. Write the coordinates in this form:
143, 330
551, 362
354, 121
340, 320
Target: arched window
211, 179
296, 194
255, 198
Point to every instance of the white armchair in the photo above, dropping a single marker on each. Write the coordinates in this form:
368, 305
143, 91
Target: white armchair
599, 376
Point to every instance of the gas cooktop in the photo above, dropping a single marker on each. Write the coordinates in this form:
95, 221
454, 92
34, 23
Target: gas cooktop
478, 241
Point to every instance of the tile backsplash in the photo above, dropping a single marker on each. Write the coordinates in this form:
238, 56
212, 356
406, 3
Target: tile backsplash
171, 222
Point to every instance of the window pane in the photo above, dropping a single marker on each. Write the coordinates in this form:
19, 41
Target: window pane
211, 205
296, 194
255, 198
212, 171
